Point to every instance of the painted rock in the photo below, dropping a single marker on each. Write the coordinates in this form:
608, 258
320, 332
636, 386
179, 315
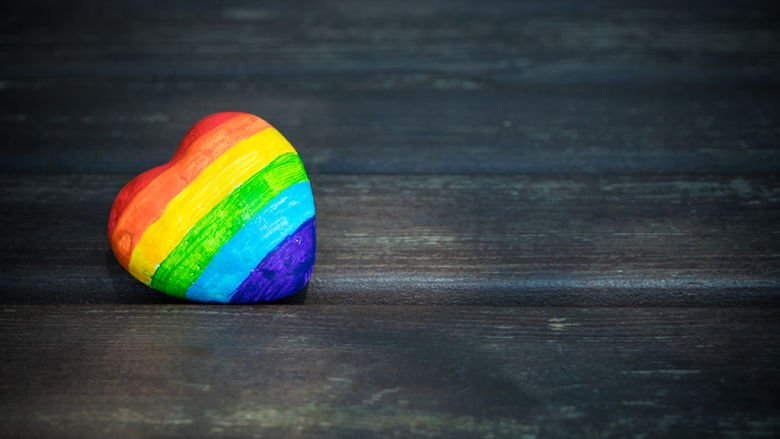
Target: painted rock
230, 218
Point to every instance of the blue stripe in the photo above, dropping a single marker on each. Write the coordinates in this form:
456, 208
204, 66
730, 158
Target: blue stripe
236, 259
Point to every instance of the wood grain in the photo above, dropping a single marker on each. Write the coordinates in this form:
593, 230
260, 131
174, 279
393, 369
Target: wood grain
333, 371
614, 161
440, 42
490, 240
372, 87
103, 125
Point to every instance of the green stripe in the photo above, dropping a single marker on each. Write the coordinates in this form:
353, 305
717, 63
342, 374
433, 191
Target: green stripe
188, 260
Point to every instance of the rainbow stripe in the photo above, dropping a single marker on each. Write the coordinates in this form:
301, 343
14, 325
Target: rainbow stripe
229, 219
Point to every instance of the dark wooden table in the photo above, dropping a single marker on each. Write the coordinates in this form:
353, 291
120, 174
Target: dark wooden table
536, 219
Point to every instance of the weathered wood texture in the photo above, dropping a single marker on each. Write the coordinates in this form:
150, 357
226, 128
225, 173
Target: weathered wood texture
408, 41
490, 240
161, 371
129, 125
382, 87
601, 153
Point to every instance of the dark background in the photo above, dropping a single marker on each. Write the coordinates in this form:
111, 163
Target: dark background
555, 219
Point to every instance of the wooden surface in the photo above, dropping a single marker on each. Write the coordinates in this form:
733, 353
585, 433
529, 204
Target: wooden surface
303, 371
536, 219
454, 239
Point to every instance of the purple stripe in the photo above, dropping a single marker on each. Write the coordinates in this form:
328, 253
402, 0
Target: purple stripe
284, 271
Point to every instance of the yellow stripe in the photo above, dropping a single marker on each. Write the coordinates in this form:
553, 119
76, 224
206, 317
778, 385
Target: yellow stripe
229, 171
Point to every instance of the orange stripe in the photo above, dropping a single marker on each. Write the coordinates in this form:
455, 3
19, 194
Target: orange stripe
148, 205
128, 192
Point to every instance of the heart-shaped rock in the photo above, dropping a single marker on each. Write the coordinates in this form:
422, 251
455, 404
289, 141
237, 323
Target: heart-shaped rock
230, 218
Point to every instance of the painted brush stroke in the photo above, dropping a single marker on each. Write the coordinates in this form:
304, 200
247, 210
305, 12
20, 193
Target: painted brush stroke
234, 197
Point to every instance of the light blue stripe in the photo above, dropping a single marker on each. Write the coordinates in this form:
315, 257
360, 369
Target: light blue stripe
241, 254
